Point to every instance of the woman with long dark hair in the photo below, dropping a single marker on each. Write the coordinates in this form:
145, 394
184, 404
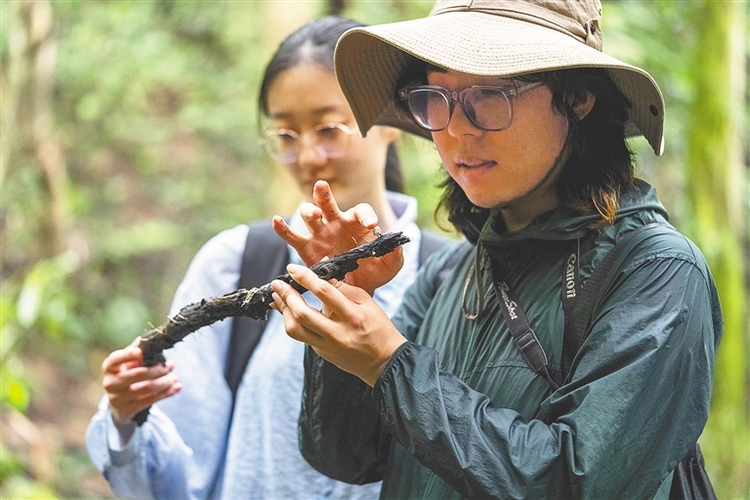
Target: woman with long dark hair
222, 425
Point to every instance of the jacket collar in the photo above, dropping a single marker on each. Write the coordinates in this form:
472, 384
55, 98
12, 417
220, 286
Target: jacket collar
564, 224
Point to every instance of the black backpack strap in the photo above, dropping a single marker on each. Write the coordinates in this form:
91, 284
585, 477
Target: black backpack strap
265, 258
690, 480
577, 324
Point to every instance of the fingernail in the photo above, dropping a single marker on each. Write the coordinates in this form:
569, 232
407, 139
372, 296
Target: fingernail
371, 221
294, 268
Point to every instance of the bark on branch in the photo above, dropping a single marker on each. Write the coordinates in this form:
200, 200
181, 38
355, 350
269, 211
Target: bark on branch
254, 302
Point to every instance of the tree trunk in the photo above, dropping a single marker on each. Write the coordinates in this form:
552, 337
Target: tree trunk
27, 120
715, 177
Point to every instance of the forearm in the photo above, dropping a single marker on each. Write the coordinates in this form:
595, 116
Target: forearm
590, 450
341, 432
453, 430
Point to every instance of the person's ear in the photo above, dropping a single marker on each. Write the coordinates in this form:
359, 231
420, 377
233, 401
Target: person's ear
583, 108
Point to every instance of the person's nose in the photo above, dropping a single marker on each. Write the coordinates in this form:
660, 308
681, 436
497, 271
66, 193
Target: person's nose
310, 152
459, 124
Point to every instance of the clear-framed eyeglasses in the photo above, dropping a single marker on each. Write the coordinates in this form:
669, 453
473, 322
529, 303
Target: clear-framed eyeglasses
488, 107
332, 140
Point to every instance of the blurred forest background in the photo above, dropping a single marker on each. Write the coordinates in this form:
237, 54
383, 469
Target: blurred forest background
129, 137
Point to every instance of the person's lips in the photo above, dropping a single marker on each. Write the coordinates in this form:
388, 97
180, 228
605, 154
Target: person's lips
474, 163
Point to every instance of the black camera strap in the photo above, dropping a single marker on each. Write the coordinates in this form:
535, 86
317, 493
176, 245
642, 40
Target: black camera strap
690, 479
515, 316
578, 303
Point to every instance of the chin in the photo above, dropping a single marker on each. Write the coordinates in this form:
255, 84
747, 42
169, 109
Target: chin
485, 201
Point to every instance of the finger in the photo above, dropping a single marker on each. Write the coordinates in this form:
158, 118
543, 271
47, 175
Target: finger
150, 389
290, 303
366, 216
113, 363
122, 381
312, 216
323, 197
310, 212
297, 314
330, 295
286, 233
143, 395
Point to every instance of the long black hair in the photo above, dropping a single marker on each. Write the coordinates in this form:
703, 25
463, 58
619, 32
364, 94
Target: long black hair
316, 42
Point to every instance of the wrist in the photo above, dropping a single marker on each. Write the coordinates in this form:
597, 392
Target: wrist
372, 378
121, 419
124, 424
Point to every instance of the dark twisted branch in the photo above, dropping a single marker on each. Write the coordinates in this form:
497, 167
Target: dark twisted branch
254, 302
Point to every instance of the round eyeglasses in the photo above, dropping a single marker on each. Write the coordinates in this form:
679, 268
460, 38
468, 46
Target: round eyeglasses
488, 107
331, 140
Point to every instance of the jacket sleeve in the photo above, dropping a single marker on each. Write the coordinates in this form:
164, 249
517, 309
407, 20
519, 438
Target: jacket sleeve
178, 451
637, 402
131, 470
341, 433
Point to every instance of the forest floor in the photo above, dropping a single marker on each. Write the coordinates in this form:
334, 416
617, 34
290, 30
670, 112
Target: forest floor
50, 440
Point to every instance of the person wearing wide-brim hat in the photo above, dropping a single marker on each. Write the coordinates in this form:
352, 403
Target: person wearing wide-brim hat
476, 388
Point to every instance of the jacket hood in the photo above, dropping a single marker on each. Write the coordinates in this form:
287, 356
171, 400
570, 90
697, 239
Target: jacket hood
565, 224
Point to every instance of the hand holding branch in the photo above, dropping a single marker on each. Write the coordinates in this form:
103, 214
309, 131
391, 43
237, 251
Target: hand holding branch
332, 232
352, 331
253, 303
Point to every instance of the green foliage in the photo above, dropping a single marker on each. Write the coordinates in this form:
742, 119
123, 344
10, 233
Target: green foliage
42, 305
43, 298
9, 465
39, 305
21, 487
154, 109
698, 178
711, 134
14, 389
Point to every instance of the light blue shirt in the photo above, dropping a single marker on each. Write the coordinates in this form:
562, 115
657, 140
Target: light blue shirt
191, 446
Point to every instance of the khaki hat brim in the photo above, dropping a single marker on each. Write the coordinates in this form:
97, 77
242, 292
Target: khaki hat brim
370, 60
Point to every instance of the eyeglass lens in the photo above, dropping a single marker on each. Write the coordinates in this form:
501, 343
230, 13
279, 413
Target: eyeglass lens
488, 108
331, 141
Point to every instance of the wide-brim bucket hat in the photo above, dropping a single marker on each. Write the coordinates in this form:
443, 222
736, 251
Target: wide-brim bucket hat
502, 38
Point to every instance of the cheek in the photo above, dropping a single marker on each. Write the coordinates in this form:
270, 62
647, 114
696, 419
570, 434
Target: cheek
368, 157
443, 145
541, 152
558, 131
295, 171
550, 128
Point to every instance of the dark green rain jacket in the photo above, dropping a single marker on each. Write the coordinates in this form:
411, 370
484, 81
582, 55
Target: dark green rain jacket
453, 412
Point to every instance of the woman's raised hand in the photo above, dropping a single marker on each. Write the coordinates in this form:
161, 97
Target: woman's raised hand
132, 387
351, 331
332, 232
